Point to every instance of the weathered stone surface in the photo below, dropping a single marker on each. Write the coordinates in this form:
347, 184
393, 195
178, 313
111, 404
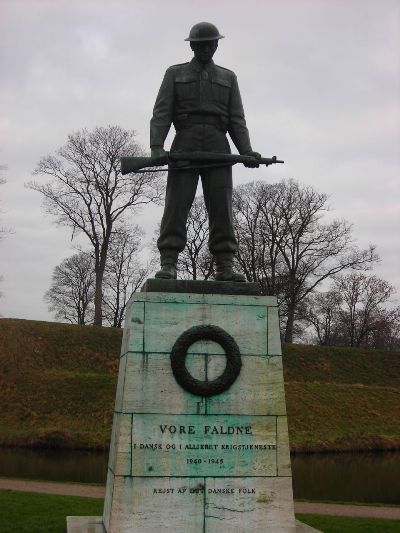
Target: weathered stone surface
258, 390
203, 445
284, 466
120, 458
149, 505
150, 387
274, 338
93, 524
133, 338
305, 528
200, 287
85, 524
255, 504
174, 318
184, 463
160, 430
108, 498
120, 384
211, 299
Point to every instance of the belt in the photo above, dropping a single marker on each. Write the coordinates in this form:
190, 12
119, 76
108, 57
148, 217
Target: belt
186, 120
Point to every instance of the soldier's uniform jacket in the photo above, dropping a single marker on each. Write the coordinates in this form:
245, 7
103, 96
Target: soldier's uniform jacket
199, 101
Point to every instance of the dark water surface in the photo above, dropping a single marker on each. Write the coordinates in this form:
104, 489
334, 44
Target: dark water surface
54, 465
359, 477
362, 477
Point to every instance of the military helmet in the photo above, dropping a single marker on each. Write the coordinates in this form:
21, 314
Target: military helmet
204, 31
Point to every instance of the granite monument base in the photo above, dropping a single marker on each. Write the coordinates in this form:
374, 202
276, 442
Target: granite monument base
94, 524
199, 441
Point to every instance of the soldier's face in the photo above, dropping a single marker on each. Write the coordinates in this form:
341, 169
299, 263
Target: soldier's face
204, 50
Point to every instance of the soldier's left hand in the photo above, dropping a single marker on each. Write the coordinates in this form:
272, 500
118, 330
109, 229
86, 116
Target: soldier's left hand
252, 164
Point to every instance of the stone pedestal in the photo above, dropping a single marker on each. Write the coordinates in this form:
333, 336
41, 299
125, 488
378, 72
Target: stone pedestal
188, 463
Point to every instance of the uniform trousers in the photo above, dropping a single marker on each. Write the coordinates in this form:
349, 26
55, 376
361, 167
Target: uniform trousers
181, 190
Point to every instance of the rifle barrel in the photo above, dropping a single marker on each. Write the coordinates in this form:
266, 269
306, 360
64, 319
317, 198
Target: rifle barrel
220, 158
133, 164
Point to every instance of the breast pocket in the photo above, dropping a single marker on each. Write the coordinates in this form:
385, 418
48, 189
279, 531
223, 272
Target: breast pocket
221, 90
186, 88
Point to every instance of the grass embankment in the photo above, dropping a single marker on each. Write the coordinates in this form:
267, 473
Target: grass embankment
29, 512
57, 384
57, 388
342, 399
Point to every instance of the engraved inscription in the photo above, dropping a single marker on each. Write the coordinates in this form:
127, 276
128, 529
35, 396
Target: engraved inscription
204, 445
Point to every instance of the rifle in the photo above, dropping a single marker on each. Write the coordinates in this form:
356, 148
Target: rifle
185, 160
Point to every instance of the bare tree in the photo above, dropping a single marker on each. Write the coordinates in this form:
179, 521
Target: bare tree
353, 313
363, 297
258, 255
124, 273
285, 246
386, 333
89, 194
196, 261
71, 294
322, 312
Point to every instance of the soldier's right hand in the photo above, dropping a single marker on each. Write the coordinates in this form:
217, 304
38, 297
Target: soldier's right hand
158, 151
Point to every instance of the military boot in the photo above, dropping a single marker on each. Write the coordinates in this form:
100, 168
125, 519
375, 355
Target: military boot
169, 260
224, 270
167, 271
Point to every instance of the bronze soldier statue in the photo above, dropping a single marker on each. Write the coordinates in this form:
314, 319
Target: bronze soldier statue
203, 102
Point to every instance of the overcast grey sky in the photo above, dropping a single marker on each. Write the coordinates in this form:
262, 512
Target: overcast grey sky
320, 81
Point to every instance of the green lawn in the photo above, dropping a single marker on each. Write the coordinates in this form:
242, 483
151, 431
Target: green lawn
344, 524
28, 512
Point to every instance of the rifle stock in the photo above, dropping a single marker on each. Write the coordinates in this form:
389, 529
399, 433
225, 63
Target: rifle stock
134, 164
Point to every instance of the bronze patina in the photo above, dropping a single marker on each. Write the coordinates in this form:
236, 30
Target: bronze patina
202, 100
186, 160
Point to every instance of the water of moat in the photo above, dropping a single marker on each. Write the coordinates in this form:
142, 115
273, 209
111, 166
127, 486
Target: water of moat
362, 477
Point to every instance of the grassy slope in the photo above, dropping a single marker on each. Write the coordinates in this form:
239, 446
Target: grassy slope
57, 387
342, 398
57, 383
